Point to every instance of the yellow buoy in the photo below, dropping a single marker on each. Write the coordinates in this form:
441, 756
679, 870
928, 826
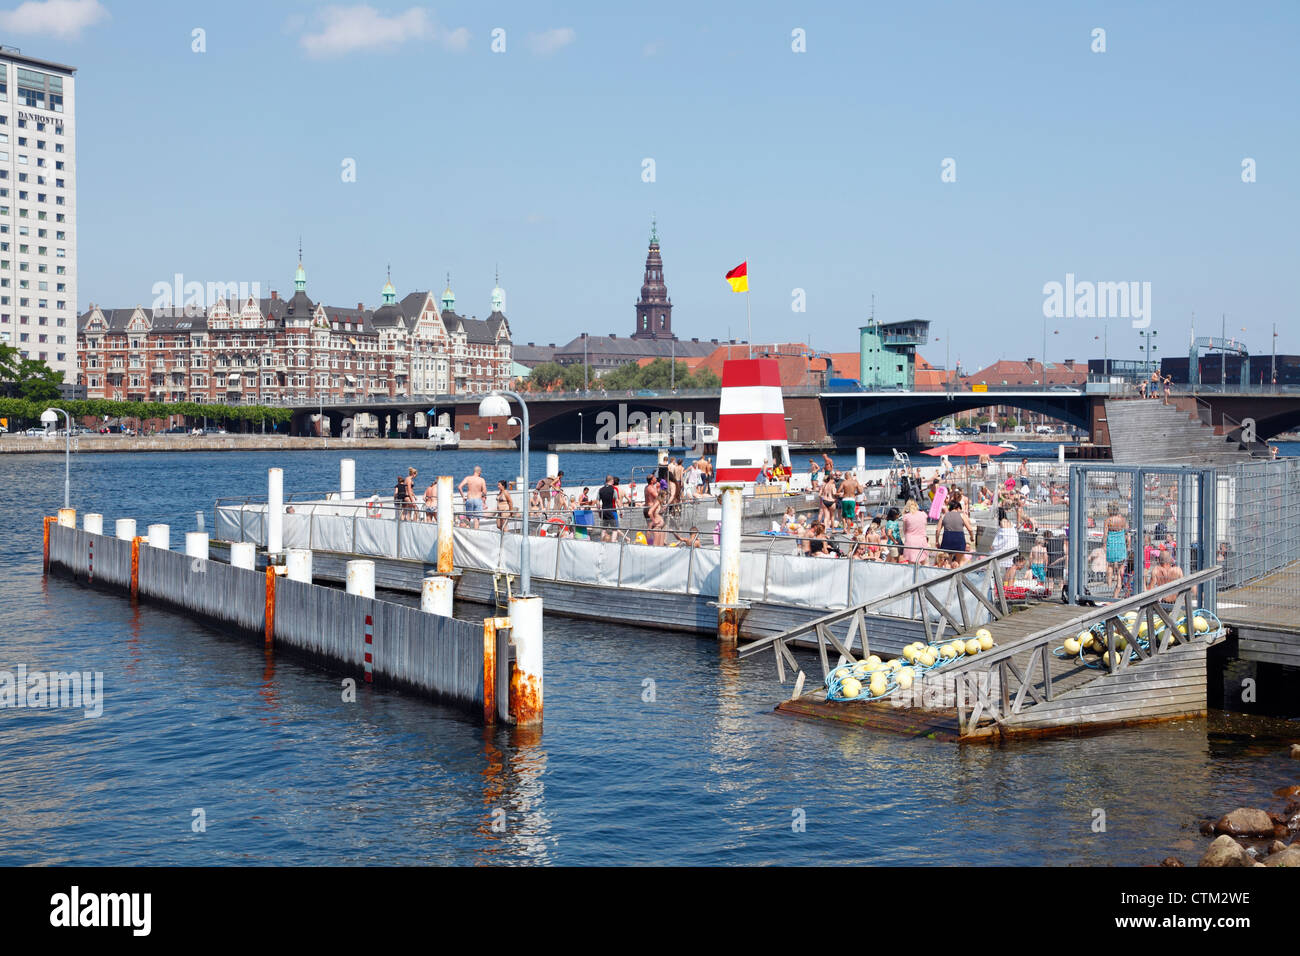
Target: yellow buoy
1084, 637
850, 687
843, 672
1071, 646
1120, 643
986, 641
973, 646
904, 678
909, 652
872, 661
947, 653
879, 683
1201, 625
928, 657
982, 633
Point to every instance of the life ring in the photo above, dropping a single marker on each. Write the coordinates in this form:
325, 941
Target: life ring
373, 508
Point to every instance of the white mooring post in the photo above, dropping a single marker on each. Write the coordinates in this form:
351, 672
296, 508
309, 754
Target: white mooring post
552, 465
243, 554
862, 461
361, 578
125, 528
1060, 454
68, 517
274, 510
446, 521
347, 479
436, 595
297, 564
93, 523
526, 679
729, 565
160, 537
196, 545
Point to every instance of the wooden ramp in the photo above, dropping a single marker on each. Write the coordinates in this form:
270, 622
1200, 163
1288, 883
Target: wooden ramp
1021, 687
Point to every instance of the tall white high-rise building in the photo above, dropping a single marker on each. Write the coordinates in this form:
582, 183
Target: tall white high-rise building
38, 210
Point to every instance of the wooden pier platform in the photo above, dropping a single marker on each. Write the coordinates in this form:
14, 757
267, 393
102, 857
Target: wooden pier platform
1263, 613
1022, 688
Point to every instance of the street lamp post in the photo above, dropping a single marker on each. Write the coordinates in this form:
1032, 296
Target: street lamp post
496, 405
579, 428
1148, 346
48, 417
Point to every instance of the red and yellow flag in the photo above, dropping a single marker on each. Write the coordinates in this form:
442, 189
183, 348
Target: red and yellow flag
739, 277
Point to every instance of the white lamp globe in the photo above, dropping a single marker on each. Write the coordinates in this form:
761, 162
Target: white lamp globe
49, 417
494, 406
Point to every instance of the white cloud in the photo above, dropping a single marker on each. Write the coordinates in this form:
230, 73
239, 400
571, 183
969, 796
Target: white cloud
60, 18
347, 29
457, 39
549, 41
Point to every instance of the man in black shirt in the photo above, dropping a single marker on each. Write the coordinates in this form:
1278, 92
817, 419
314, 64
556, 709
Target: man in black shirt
608, 497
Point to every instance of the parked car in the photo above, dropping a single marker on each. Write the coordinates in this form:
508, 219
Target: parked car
1045, 430
35, 432
968, 430
989, 427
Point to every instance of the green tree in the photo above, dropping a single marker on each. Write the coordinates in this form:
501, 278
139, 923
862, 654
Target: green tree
545, 375
38, 382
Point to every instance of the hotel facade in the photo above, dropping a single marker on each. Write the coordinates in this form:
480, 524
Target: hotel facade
278, 351
38, 210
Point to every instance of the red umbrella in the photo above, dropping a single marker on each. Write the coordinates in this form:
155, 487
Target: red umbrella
965, 449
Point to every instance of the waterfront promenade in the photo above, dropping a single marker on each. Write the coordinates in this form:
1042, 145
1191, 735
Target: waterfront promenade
22, 444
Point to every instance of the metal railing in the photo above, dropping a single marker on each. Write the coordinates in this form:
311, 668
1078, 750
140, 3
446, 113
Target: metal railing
1034, 684
922, 597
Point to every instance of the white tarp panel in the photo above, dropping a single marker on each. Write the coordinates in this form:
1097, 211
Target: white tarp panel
376, 536
819, 582
476, 548
704, 573
419, 541
588, 562
331, 533
297, 531
657, 569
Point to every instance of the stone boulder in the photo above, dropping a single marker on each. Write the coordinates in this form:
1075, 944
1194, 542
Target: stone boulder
1225, 851
1288, 857
1245, 821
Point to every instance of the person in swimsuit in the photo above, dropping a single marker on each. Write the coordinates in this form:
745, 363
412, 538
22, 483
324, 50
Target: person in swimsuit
1038, 560
893, 533
430, 501
399, 496
952, 530
1116, 547
914, 525
504, 504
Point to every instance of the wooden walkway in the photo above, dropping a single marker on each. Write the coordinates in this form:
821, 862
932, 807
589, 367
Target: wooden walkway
1263, 613
1071, 698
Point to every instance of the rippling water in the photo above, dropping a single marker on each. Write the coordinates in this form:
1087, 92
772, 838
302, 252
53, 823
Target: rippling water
286, 772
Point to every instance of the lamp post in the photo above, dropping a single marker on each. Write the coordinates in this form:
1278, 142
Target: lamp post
579, 428
49, 417
1148, 346
496, 405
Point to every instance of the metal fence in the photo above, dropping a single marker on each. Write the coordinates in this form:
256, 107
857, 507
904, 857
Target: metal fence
1258, 529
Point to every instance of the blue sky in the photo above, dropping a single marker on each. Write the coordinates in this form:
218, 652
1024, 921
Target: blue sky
822, 168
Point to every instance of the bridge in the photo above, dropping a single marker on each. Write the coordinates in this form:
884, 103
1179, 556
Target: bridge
874, 419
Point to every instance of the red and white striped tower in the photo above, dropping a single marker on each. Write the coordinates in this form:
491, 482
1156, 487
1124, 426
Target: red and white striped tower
751, 431
751, 419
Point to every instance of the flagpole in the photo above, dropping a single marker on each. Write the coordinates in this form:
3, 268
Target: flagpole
749, 322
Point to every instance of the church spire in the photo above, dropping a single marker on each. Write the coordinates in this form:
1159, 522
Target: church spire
448, 297
389, 293
654, 310
300, 276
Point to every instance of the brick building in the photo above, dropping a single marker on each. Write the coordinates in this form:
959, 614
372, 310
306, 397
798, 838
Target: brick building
293, 351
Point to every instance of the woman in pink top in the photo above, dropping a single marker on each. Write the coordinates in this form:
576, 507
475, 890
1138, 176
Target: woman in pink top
914, 537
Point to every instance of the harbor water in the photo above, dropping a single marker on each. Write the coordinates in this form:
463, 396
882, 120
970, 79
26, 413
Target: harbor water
657, 747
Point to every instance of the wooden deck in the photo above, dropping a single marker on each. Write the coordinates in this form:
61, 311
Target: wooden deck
1084, 699
1264, 615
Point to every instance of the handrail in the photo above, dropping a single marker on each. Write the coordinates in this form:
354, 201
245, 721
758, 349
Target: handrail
835, 617
1179, 587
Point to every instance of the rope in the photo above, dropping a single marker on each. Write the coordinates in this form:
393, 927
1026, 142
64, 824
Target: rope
862, 674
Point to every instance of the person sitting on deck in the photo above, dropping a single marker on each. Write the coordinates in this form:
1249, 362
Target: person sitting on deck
1165, 572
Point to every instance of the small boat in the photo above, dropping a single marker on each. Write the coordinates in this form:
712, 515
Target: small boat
1007, 445
440, 436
